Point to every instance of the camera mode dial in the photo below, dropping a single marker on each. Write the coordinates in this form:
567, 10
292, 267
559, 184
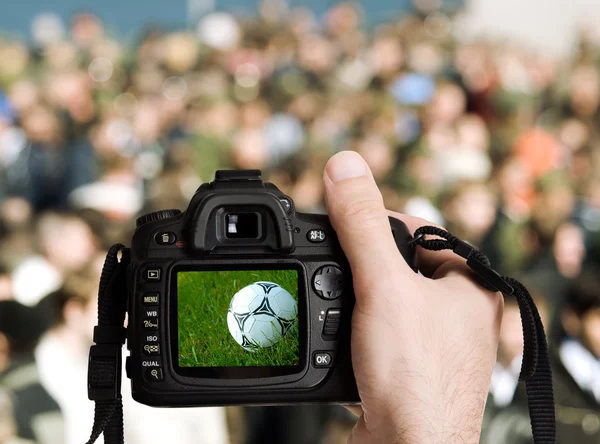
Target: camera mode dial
157, 215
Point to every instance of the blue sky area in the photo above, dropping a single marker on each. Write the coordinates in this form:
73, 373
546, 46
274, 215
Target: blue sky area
128, 17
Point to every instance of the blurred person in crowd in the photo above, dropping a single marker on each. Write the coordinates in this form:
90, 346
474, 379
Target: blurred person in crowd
8, 427
469, 209
576, 369
49, 167
63, 352
36, 414
66, 244
63, 358
509, 244
557, 264
16, 220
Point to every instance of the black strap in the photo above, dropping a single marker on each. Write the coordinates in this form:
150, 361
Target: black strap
535, 370
104, 366
104, 372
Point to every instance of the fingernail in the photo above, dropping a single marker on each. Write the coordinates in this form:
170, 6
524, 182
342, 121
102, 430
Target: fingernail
346, 165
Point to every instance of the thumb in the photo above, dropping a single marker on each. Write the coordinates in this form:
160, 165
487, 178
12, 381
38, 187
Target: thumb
359, 217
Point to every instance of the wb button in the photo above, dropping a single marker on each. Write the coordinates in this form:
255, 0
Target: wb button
322, 359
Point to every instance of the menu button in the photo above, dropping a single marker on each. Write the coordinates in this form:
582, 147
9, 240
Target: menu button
150, 299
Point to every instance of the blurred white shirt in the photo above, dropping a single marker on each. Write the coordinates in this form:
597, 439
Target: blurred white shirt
505, 381
64, 374
583, 366
33, 279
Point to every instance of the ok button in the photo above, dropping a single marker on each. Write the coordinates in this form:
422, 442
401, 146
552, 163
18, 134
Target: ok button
322, 359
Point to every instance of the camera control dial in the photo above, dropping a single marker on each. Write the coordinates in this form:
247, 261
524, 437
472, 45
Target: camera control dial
157, 215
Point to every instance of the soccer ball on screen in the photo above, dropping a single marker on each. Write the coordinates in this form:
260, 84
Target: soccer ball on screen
260, 314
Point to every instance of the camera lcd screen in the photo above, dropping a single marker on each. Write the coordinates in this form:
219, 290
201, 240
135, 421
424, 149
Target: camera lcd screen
242, 318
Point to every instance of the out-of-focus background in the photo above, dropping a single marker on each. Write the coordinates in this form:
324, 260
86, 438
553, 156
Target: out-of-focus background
480, 115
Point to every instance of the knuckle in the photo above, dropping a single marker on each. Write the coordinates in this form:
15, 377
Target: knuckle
364, 211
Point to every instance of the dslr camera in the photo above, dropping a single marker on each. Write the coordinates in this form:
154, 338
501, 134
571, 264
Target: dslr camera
241, 300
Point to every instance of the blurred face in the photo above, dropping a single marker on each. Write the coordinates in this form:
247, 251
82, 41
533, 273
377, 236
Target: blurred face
220, 119
180, 52
474, 211
342, 19
473, 134
23, 95
585, 90
448, 105
80, 318
510, 343
68, 244
147, 123
86, 29
386, 56
569, 249
308, 191
41, 125
317, 54
250, 150
378, 155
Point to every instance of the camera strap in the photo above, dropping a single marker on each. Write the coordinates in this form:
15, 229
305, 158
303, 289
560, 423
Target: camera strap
535, 370
104, 365
104, 371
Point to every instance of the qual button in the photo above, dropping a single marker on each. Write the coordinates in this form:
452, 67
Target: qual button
154, 374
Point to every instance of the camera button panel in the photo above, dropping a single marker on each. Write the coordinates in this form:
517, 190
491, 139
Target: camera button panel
150, 299
322, 359
165, 238
150, 324
332, 321
316, 235
328, 282
152, 274
151, 349
287, 204
154, 374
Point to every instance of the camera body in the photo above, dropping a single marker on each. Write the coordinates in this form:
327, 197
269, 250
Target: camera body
241, 300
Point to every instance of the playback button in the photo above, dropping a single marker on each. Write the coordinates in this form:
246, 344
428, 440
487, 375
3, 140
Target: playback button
152, 274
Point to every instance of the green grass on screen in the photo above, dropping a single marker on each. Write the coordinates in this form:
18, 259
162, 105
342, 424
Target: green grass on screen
204, 339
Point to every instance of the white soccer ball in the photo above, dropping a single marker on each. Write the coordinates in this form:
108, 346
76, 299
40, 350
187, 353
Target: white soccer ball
260, 314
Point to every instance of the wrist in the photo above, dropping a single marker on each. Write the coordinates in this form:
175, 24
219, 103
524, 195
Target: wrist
421, 422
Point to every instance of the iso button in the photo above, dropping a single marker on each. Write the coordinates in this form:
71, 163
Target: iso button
322, 359
151, 349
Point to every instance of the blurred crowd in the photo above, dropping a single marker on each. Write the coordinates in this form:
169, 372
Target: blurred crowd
496, 142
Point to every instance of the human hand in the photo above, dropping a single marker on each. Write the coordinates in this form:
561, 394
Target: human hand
423, 347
